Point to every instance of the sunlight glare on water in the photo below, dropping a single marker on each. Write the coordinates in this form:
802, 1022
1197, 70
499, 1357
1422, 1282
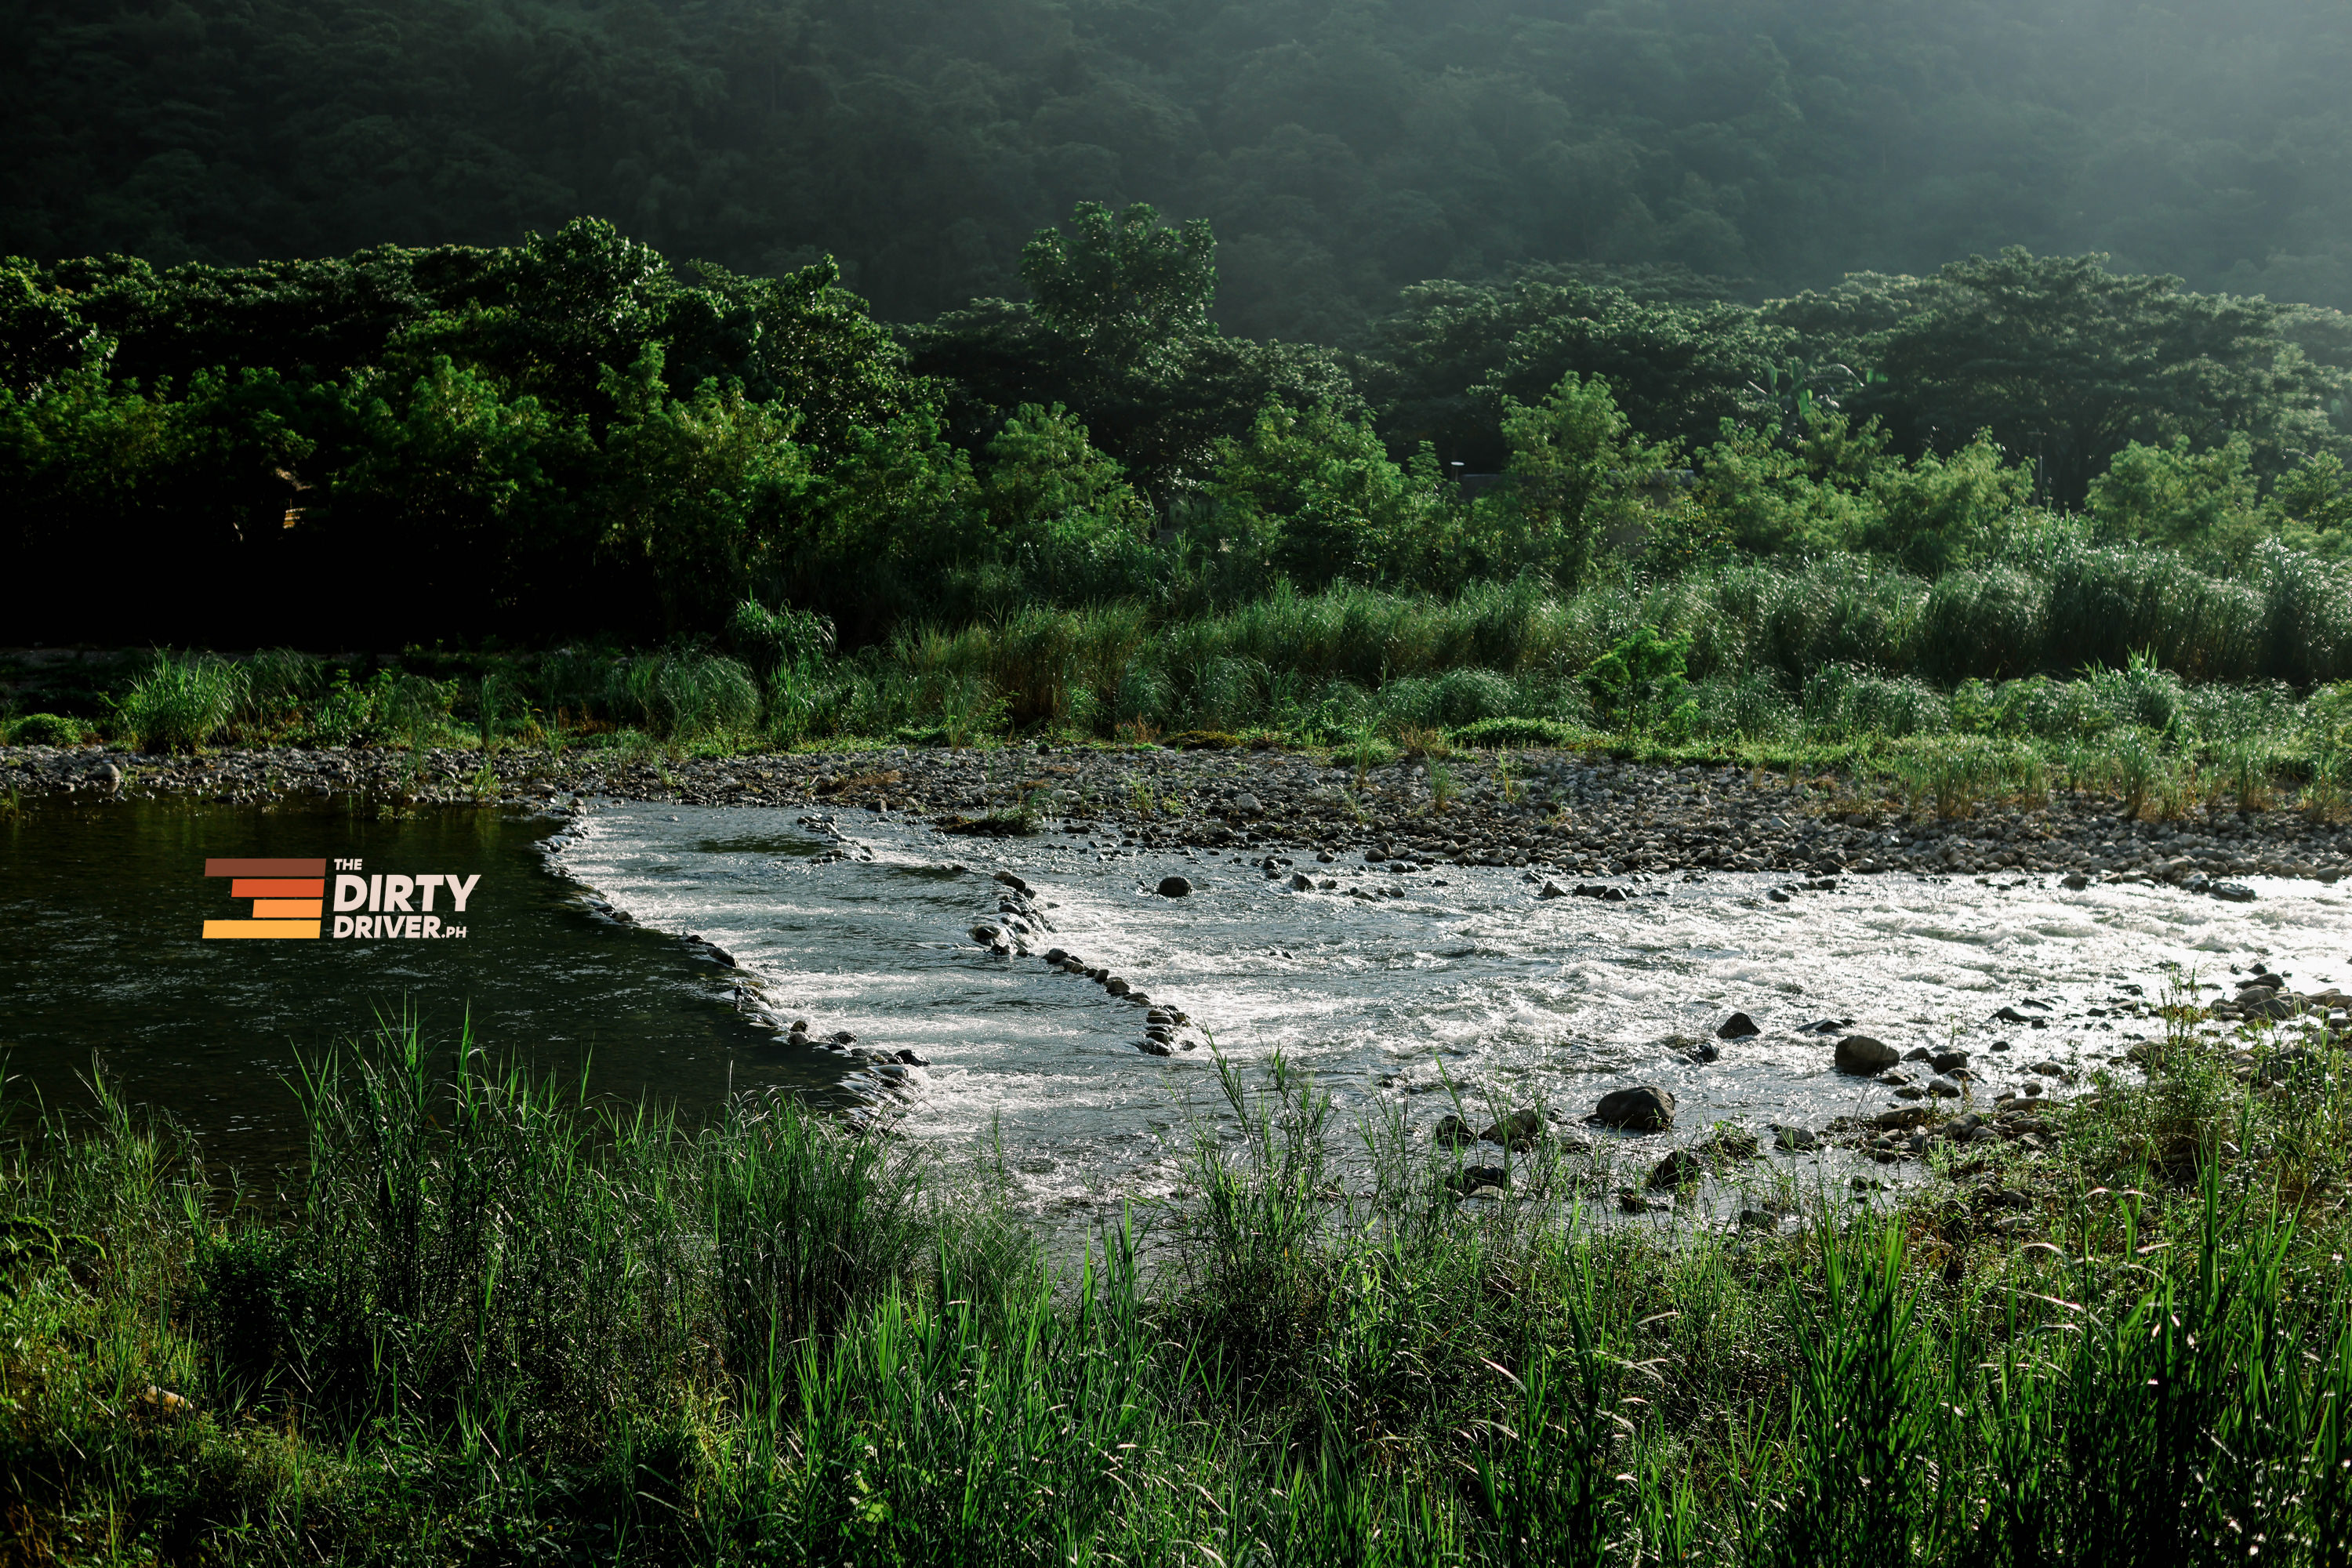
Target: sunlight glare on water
1469, 977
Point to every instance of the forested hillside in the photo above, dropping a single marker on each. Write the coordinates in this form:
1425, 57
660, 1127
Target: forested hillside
1341, 149
579, 435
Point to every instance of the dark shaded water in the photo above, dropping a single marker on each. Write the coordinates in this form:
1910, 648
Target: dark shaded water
102, 956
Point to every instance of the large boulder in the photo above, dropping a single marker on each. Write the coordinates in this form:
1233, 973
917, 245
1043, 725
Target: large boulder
1866, 1058
1645, 1108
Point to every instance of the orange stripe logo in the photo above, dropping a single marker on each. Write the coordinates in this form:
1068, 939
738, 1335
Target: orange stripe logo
289, 897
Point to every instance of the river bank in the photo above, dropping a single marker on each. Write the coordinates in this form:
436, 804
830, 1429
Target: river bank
769, 1340
1569, 812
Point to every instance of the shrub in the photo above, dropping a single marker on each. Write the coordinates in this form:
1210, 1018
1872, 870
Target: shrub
685, 696
47, 729
775, 640
1751, 707
277, 682
181, 702
1468, 696
1639, 685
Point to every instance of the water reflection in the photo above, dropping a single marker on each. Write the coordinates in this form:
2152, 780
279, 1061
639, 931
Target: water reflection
100, 910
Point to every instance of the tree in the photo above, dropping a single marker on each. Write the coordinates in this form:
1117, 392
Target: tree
1577, 468
1439, 369
2067, 363
1120, 335
1121, 283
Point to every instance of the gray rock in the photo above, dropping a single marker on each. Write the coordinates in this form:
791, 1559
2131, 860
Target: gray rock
1453, 1133
1246, 803
1519, 1130
1471, 1178
1680, 1169
2232, 893
1738, 1027
1302, 883
1115, 986
1643, 1109
987, 935
1551, 889
1012, 881
1798, 1139
1863, 1057
1174, 886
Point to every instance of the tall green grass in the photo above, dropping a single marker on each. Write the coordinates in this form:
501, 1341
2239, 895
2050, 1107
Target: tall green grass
183, 700
2059, 640
493, 1319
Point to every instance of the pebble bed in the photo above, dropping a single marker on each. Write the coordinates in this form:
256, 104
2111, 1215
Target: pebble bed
1567, 812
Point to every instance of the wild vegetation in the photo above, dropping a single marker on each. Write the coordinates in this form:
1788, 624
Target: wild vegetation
486, 1321
780, 523
575, 436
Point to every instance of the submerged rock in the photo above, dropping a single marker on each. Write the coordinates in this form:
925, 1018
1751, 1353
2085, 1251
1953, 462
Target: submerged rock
1643, 1109
1519, 1130
1679, 1169
1469, 1179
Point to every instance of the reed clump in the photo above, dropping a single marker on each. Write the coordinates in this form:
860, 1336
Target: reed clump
183, 700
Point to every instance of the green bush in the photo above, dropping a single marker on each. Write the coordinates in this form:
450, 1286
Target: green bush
1641, 684
47, 729
770, 641
1468, 696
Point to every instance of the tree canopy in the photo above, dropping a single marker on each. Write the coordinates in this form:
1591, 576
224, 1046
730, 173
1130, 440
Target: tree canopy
1342, 151
579, 434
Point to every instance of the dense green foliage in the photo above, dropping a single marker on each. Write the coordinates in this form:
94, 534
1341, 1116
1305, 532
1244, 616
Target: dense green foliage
1343, 149
488, 1323
577, 435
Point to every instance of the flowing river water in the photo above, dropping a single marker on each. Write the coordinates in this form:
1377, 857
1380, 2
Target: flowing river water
1407, 988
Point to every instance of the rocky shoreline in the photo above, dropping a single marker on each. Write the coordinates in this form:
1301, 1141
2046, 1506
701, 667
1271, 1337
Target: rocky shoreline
1569, 812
